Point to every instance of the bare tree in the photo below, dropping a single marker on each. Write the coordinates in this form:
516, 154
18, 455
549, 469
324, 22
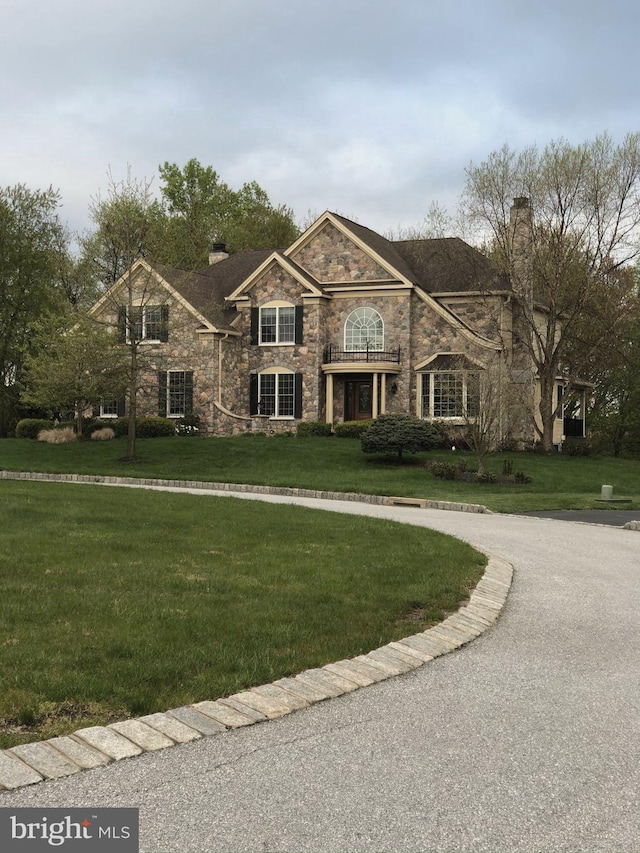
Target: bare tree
574, 224
124, 230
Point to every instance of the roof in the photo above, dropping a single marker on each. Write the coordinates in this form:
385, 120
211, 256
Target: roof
437, 266
206, 289
449, 265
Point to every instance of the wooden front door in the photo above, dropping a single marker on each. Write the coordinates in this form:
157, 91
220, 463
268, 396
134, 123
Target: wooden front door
358, 399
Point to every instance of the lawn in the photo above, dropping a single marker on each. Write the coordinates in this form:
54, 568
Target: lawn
116, 603
557, 482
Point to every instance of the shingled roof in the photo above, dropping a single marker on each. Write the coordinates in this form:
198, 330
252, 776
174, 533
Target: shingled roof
436, 266
449, 265
440, 265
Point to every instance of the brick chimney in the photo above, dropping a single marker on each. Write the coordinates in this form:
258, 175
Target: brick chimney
218, 253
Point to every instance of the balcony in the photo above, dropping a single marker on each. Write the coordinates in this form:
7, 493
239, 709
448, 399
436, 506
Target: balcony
333, 355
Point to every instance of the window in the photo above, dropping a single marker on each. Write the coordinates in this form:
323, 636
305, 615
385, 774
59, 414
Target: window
363, 330
175, 393
148, 322
276, 323
450, 394
108, 409
277, 394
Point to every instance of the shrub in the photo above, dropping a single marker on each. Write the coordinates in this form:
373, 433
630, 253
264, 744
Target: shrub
155, 427
576, 447
448, 470
120, 426
188, 425
398, 434
58, 436
104, 434
352, 429
30, 427
309, 428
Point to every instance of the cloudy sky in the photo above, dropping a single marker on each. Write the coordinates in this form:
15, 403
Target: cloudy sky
372, 109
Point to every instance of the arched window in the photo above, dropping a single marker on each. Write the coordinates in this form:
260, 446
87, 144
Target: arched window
363, 330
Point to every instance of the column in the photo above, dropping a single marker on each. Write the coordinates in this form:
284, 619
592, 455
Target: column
329, 399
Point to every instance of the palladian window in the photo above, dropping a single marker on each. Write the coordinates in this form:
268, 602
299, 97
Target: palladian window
363, 330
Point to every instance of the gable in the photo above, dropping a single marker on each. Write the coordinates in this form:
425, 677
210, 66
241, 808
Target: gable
146, 286
330, 256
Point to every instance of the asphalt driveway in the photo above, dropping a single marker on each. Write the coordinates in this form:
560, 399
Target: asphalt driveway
528, 739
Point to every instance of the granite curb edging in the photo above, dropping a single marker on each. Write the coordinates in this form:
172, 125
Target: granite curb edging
98, 746
285, 491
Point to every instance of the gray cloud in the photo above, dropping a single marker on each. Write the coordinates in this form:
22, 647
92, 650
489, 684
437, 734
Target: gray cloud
369, 108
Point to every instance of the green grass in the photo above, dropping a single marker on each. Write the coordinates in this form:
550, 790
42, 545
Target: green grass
118, 602
558, 482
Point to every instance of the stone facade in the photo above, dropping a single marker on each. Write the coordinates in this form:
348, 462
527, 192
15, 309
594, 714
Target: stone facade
325, 276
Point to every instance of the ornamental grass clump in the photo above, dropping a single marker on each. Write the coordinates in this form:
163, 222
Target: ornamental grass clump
58, 436
104, 434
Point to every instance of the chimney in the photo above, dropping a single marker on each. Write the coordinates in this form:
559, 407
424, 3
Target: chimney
520, 246
218, 253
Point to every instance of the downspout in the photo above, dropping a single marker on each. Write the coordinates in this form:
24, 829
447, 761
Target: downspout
218, 403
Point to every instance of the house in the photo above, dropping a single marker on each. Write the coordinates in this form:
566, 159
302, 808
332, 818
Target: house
341, 325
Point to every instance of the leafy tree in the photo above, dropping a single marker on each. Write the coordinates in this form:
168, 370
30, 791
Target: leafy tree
398, 434
32, 249
200, 209
574, 226
75, 367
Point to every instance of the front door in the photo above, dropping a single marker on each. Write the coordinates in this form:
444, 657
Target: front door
358, 397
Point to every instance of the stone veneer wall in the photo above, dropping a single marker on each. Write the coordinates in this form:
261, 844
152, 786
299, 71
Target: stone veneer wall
332, 257
304, 358
185, 350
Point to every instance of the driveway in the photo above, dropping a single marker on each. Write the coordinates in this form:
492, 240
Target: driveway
528, 739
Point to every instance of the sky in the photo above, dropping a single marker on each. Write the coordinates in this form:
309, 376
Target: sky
371, 109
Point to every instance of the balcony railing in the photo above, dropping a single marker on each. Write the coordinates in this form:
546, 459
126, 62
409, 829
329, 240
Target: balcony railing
333, 355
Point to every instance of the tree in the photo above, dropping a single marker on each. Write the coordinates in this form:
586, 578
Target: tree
75, 367
398, 434
573, 227
125, 222
32, 249
495, 405
200, 209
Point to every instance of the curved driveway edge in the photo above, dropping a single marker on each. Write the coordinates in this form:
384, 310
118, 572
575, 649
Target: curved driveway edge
100, 745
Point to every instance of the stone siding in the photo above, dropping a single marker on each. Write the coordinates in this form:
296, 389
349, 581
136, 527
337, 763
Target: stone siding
331, 257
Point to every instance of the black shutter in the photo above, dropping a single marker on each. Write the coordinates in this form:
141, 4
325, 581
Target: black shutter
164, 323
95, 412
299, 315
253, 394
255, 317
121, 403
162, 393
297, 396
188, 392
122, 325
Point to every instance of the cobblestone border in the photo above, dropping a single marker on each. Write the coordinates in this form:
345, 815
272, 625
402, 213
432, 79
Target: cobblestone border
98, 746
384, 500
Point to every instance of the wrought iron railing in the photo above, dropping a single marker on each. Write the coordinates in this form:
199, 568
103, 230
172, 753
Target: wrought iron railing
333, 354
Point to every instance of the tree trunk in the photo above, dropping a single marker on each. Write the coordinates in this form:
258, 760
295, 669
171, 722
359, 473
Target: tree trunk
133, 405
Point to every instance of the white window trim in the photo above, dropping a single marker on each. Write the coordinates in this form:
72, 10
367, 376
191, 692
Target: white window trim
176, 415
277, 306
143, 309
277, 372
430, 416
378, 346
101, 414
